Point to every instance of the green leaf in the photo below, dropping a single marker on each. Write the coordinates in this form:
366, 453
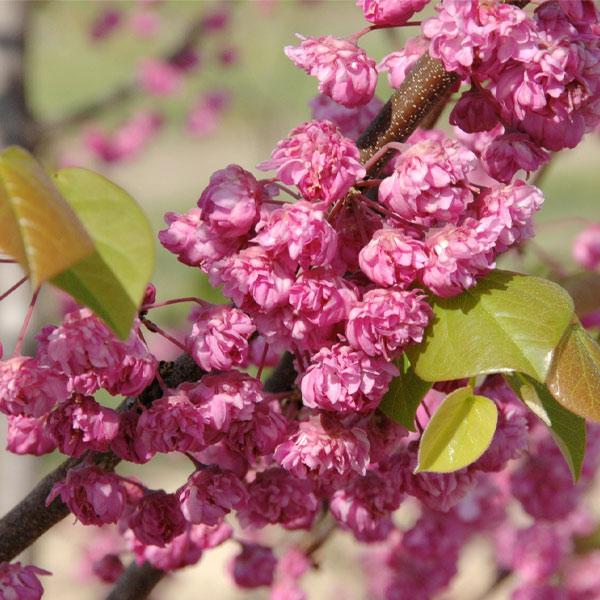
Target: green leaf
112, 280
584, 288
567, 429
459, 432
574, 377
508, 322
38, 228
404, 395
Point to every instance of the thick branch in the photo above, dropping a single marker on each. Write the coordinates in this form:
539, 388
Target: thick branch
30, 519
136, 582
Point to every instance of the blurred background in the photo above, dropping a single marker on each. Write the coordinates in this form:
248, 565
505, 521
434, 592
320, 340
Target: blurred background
84, 83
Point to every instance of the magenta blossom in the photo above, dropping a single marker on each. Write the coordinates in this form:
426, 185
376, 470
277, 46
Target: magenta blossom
318, 159
20, 583
157, 519
390, 12
254, 566
29, 435
345, 72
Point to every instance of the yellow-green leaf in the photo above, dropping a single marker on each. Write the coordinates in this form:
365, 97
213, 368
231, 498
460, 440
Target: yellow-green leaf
38, 228
567, 429
508, 322
112, 280
574, 377
459, 432
404, 395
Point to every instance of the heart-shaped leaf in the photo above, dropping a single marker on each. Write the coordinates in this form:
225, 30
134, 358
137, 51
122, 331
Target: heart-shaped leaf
459, 432
567, 429
38, 228
508, 322
404, 395
574, 377
112, 280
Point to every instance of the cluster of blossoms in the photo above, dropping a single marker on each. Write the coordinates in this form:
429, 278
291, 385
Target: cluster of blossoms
337, 277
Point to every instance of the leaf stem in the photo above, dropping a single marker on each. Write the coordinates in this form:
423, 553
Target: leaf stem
154, 328
10, 290
26, 321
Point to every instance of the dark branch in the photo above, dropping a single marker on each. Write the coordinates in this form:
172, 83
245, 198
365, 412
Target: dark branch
136, 582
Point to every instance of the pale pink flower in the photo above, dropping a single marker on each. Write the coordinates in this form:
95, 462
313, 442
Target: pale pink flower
278, 497
210, 494
351, 122
386, 321
318, 159
586, 247
94, 496
145, 23
172, 423
345, 380
81, 424
324, 448
345, 72
29, 435
301, 232
582, 576
510, 153
231, 202
253, 279
157, 519
159, 77
458, 256
254, 566
398, 64
204, 117
30, 389
515, 206
193, 241
390, 12
392, 258
91, 356
20, 583
219, 337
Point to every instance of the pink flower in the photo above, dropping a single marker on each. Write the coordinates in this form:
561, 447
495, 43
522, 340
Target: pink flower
28, 388
385, 436
92, 357
172, 423
108, 568
365, 506
253, 280
159, 78
205, 116
278, 497
586, 247
428, 182
231, 203
29, 435
539, 591
351, 122
219, 337
474, 113
210, 494
392, 258
345, 73
225, 398
300, 232
515, 206
145, 23
390, 12
510, 153
157, 519
254, 566
105, 23
398, 64
458, 256
260, 435
94, 496
386, 321
81, 424
184, 550
345, 380
323, 448
582, 578
319, 160
20, 583
193, 241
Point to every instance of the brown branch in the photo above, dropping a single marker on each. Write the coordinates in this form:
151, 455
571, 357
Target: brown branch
136, 582
30, 519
